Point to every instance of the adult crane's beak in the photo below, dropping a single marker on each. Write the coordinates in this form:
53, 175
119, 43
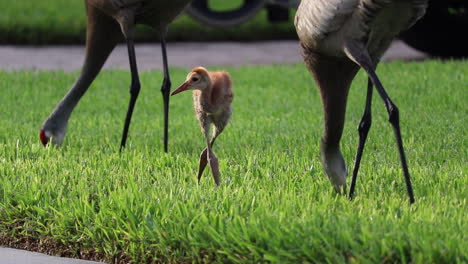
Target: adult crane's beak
184, 87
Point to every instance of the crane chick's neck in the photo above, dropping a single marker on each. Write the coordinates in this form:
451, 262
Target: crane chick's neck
206, 88
203, 94
205, 99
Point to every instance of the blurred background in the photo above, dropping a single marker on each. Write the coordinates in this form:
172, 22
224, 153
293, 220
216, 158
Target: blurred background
442, 32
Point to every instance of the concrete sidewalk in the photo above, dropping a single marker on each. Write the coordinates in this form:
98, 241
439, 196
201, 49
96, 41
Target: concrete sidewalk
16, 256
185, 55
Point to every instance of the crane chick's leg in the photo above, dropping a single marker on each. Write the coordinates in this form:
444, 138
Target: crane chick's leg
102, 35
165, 89
128, 29
213, 160
203, 156
209, 153
203, 161
358, 53
363, 129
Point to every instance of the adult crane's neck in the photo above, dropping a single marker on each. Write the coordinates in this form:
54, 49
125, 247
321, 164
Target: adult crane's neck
333, 76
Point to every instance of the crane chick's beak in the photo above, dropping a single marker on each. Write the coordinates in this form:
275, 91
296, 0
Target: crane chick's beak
184, 87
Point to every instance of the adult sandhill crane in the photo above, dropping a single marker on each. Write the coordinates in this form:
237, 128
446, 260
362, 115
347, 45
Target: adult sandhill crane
106, 21
212, 98
337, 37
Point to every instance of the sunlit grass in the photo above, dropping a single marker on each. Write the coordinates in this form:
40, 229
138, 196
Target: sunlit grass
220, 5
64, 22
274, 203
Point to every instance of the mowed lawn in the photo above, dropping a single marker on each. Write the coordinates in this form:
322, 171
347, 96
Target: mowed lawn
64, 22
87, 200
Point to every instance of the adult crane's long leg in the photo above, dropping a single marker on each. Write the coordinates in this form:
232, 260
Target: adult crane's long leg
165, 89
394, 118
358, 53
363, 129
134, 89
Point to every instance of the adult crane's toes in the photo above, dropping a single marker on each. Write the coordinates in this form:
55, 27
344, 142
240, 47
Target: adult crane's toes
44, 137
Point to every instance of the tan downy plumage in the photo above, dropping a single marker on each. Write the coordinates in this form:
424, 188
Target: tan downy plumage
212, 99
107, 21
337, 38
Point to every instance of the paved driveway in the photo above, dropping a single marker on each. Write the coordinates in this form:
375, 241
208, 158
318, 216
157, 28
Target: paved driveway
186, 55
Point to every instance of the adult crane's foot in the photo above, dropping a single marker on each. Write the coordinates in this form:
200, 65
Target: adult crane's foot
202, 164
214, 167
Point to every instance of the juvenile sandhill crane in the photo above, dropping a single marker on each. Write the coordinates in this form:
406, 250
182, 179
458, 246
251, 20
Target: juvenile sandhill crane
212, 98
337, 37
106, 21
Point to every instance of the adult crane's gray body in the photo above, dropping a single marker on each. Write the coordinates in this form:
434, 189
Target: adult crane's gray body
155, 13
337, 38
325, 26
107, 20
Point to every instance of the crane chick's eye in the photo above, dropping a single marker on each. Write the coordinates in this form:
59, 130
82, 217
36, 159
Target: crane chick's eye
195, 79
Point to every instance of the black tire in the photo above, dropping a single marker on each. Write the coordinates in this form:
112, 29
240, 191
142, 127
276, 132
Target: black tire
442, 32
200, 10
277, 13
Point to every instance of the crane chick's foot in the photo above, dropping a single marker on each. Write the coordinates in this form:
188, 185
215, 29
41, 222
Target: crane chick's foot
214, 167
202, 163
335, 168
54, 137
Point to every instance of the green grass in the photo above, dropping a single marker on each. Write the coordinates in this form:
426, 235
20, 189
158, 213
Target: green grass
274, 204
64, 22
